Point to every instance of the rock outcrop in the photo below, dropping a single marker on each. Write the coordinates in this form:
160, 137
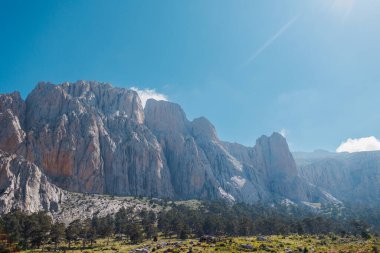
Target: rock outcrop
199, 164
23, 186
12, 116
91, 137
87, 137
271, 164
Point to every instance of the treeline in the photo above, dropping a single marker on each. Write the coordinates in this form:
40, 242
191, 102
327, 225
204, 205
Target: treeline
211, 218
37, 229
216, 218
368, 215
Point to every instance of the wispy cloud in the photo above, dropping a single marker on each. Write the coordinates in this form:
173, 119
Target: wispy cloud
282, 30
283, 132
360, 144
146, 94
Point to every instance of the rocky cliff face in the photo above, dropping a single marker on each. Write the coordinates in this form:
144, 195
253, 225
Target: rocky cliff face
87, 137
202, 166
353, 178
92, 137
23, 186
199, 164
272, 166
12, 117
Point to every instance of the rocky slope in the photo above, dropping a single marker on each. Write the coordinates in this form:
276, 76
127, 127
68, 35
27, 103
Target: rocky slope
23, 186
353, 178
91, 137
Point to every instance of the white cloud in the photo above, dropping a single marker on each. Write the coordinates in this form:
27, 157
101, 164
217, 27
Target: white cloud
283, 132
360, 144
146, 94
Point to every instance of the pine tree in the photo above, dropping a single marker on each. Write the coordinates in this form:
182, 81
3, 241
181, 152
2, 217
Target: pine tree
148, 220
121, 221
41, 226
73, 231
136, 233
106, 227
57, 233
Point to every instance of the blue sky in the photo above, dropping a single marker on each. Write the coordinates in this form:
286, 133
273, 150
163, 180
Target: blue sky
310, 68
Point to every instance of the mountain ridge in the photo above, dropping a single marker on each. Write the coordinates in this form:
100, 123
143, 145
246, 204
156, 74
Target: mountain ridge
354, 178
91, 137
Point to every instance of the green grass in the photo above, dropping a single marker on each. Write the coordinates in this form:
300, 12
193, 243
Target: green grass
292, 243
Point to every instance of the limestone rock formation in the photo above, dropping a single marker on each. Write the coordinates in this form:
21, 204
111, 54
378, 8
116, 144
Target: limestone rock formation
88, 137
23, 186
202, 166
91, 137
12, 116
271, 163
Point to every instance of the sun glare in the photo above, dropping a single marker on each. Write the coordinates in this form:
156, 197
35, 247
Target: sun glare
343, 7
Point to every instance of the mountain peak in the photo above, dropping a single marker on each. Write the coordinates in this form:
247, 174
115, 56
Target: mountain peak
202, 127
275, 152
87, 94
275, 136
164, 116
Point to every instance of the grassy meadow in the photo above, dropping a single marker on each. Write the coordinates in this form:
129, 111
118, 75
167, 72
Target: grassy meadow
287, 244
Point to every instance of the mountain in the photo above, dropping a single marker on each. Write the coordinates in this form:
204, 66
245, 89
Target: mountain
86, 137
351, 177
91, 137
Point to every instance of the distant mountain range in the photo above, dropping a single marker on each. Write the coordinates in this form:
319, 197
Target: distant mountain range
91, 137
353, 178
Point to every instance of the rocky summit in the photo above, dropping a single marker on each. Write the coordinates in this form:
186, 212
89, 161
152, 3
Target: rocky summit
90, 137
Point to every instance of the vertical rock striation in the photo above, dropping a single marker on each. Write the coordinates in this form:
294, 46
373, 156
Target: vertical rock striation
87, 137
23, 186
91, 137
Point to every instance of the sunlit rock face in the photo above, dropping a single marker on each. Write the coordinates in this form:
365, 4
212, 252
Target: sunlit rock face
199, 164
202, 166
23, 186
271, 164
12, 116
89, 137
92, 137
